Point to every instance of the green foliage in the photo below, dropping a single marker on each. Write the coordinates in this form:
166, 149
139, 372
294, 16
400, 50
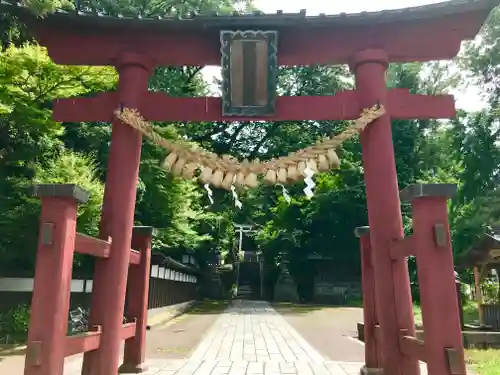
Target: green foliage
31, 148
14, 323
34, 148
43, 7
73, 168
481, 59
484, 362
23, 213
155, 8
491, 292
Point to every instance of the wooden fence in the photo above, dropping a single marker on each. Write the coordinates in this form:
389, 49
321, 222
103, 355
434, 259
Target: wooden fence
492, 315
168, 286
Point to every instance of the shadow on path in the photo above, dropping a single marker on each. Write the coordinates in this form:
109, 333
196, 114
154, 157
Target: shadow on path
330, 330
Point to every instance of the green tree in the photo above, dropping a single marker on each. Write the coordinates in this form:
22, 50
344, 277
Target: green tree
30, 139
19, 219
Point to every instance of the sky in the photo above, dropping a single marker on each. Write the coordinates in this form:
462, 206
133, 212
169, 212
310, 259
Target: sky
467, 98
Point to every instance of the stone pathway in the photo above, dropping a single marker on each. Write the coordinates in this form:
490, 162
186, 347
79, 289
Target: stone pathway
252, 331
249, 338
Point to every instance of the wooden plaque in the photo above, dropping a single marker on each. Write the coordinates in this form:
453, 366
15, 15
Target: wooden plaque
249, 67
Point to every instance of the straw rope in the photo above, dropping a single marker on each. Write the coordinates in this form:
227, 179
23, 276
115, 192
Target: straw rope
184, 160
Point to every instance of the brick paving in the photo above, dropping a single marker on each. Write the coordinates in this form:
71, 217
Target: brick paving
249, 338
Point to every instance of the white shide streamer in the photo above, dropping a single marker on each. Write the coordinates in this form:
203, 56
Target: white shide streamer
237, 202
209, 193
308, 190
286, 196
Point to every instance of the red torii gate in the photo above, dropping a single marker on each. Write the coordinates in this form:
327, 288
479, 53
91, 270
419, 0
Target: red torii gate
368, 42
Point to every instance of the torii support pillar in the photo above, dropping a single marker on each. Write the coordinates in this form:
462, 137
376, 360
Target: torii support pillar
110, 276
54, 264
370, 320
137, 307
392, 289
431, 243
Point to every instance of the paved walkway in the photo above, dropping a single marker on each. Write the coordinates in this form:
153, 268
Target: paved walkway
248, 338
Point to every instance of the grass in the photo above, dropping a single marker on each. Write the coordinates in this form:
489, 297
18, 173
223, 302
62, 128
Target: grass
471, 315
484, 362
7, 350
301, 308
9, 340
417, 313
208, 306
296, 308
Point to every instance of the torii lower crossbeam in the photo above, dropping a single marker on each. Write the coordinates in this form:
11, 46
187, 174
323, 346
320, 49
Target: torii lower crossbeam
156, 106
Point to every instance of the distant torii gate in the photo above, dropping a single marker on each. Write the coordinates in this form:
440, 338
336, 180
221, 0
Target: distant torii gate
368, 42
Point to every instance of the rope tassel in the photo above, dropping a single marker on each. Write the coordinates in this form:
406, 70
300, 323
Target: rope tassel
220, 170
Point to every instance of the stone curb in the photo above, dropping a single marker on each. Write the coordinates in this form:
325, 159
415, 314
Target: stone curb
163, 315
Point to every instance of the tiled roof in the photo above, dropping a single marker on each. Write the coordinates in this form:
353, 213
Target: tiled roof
478, 253
158, 258
259, 19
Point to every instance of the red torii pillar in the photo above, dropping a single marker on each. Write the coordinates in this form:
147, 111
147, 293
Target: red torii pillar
373, 358
394, 303
52, 284
431, 244
138, 294
110, 277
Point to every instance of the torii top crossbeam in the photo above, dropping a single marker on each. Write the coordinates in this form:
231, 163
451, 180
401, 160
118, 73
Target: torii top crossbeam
429, 32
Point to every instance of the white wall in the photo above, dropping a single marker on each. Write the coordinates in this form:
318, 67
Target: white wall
158, 272
20, 284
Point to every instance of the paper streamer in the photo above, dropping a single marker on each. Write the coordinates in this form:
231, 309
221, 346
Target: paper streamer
237, 202
209, 193
308, 190
286, 196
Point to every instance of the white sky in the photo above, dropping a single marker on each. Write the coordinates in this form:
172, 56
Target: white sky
467, 98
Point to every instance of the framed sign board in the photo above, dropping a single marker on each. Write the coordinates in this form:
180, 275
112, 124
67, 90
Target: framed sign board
249, 69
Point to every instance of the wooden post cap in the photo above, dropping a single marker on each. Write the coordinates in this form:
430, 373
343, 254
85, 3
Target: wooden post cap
415, 191
141, 230
61, 191
362, 231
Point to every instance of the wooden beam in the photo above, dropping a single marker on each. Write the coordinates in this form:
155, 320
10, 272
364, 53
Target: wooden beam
479, 295
455, 361
484, 271
92, 246
128, 330
135, 257
82, 343
402, 248
413, 347
403, 105
342, 106
433, 39
377, 333
495, 253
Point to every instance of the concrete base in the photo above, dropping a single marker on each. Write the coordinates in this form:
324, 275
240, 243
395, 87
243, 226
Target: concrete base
132, 369
371, 371
476, 339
